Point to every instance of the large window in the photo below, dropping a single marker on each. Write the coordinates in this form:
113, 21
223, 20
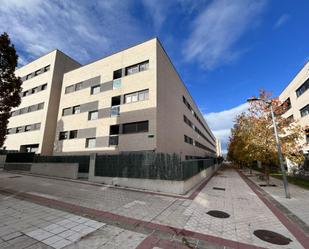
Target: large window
66, 111
90, 142
304, 111
303, 88
188, 140
137, 68
117, 74
136, 96
114, 130
73, 134
93, 115
135, 127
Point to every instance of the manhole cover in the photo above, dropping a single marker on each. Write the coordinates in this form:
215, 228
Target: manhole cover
14, 176
269, 185
272, 237
217, 188
218, 214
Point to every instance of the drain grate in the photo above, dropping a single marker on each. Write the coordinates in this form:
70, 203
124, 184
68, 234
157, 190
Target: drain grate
14, 176
217, 188
218, 214
270, 185
272, 237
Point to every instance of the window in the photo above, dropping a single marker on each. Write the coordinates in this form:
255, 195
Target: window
25, 93
37, 72
13, 113
47, 68
90, 142
290, 119
78, 86
40, 106
31, 108
28, 76
27, 128
286, 105
69, 89
113, 140
116, 84
115, 111
116, 100
66, 111
43, 87
19, 129
95, 89
188, 140
93, 115
137, 68
304, 87
304, 111
22, 110
63, 135
34, 90
73, 134
135, 127
136, 96
76, 109
8, 131
117, 74
114, 130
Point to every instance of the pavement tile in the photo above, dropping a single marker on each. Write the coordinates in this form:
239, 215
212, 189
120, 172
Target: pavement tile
51, 240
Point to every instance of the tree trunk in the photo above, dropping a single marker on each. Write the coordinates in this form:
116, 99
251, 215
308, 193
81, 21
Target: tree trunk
267, 174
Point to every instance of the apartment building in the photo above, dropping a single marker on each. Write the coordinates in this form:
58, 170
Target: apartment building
32, 124
133, 100
296, 99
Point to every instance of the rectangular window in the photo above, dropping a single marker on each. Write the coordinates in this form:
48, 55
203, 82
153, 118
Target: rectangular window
8, 131
25, 93
34, 90
115, 111
63, 135
304, 111
117, 74
113, 140
32, 108
135, 127
137, 68
76, 109
303, 88
116, 100
136, 96
66, 111
37, 72
37, 126
144, 66
290, 119
132, 69
93, 115
69, 89
47, 68
27, 128
43, 87
78, 86
95, 89
116, 83
19, 129
28, 76
188, 140
73, 134
90, 142
114, 130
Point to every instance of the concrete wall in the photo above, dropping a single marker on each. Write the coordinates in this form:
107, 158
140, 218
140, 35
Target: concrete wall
297, 103
65, 170
167, 186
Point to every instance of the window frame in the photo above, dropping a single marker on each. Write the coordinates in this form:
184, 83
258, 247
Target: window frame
95, 87
63, 135
74, 108
90, 113
88, 140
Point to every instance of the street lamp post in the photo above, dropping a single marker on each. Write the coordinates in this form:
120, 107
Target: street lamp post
285, 181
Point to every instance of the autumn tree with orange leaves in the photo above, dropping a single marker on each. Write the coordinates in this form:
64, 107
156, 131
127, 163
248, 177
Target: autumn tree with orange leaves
252, 138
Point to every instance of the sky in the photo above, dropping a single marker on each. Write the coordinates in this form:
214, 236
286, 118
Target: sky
224, 50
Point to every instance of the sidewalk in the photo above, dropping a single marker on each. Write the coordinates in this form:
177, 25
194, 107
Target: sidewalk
296, 206
156, 221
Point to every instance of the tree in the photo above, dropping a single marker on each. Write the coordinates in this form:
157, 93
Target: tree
10, 85
253, 135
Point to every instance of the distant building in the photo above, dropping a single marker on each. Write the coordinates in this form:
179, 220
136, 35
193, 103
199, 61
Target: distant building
32, 125
133, 100
296, 97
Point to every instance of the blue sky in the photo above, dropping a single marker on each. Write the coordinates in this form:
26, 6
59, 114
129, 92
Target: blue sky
224, 50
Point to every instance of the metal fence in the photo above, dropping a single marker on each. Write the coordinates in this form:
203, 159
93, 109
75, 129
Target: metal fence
149, 166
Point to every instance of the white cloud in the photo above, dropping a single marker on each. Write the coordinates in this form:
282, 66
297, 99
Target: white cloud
282, 20
85, 30
217, 28
222, 122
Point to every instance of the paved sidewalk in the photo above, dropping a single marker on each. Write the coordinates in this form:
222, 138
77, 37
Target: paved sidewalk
172, 220
297, 205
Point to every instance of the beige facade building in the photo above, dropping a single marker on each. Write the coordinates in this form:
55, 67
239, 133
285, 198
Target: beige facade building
133, 100
296, 97
32, 124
